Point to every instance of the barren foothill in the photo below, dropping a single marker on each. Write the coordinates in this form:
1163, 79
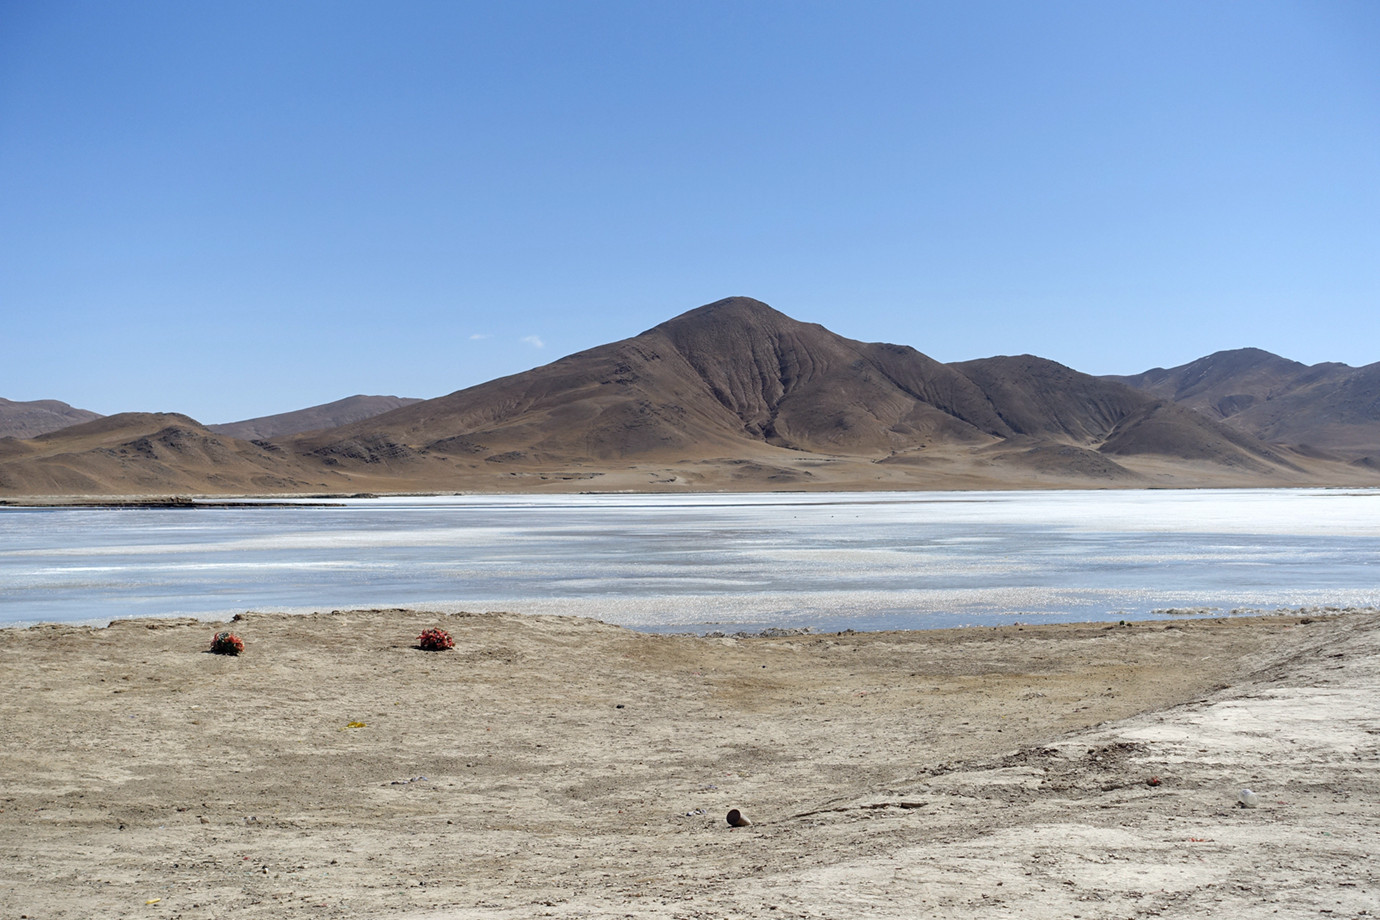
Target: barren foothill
731, 396
554, 766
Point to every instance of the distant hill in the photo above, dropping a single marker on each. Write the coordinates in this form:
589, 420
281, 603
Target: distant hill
144, 453
730, 396
329, 415
39, 416
1332, 408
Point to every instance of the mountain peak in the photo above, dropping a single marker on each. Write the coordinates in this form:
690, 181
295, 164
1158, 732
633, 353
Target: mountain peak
721, 314
1239, 359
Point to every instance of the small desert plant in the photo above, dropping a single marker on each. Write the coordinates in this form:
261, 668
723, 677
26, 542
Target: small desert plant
226, 643
435, 640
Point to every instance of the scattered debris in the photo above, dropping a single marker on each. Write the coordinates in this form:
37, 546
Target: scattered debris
1186, 611
226, 643
871, 806
405, 782
435, 640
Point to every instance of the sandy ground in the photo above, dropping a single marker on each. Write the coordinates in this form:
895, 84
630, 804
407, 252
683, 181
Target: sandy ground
557, 767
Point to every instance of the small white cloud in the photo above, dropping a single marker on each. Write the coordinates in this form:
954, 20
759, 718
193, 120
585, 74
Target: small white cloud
480, 335
534, 340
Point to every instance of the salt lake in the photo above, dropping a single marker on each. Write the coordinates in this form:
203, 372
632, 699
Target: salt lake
708, 562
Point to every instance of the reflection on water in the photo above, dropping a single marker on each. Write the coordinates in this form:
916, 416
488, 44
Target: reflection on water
830, 561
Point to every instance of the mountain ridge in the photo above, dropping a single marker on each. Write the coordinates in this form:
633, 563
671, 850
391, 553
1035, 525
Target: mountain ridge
738, 377
29, 419
1328, 407
298, 421
731, 395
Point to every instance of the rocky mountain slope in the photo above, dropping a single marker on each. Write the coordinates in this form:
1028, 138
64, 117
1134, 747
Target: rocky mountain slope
40, 416
145, 453
737, 378
1331, 408
329, 415
732, 395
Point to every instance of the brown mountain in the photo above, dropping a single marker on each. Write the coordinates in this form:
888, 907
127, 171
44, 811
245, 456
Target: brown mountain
733, 395
738, 381
329, 415
711, 381
145, 453
39, 416
1328, 407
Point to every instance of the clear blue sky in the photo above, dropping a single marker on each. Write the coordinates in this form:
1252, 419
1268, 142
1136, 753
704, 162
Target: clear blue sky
232, 209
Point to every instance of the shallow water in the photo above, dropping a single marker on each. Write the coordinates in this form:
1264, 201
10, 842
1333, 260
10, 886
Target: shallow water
707, 562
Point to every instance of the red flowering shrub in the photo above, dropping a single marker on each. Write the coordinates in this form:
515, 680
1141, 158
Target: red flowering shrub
435, 640
226, 643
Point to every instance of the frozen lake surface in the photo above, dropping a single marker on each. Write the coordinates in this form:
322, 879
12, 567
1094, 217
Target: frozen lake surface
708, 562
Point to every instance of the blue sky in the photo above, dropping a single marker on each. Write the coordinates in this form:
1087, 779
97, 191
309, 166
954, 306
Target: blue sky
232, 209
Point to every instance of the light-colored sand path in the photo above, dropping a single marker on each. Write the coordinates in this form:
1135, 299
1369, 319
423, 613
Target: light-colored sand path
1075, 830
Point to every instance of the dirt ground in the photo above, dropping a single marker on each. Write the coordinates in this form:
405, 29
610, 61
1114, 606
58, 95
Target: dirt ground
559, 767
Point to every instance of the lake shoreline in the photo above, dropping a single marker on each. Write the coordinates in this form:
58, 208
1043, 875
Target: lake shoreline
715, 631
305, 499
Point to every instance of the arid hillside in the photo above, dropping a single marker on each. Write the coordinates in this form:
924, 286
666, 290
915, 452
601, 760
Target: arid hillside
328, 415
145, 454
737, 390
40, 416
1323, 409
734, 396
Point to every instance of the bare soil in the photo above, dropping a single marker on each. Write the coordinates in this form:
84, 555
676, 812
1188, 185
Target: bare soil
560, 767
